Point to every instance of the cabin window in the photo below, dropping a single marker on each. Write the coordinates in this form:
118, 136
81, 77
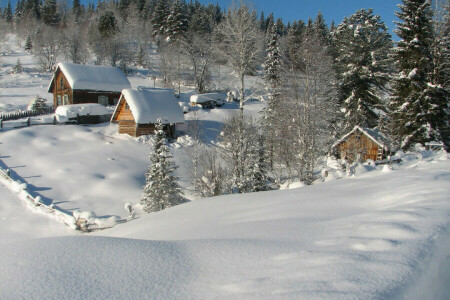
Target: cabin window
102, 99
127, 107
61, 83
65, 99
58, 97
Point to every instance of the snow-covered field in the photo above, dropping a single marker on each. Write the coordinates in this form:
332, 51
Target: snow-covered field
381, 234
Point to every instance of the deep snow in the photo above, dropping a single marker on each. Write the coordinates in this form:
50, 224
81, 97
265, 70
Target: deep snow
362, 237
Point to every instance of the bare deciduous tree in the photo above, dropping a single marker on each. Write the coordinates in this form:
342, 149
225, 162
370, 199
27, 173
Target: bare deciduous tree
240, 43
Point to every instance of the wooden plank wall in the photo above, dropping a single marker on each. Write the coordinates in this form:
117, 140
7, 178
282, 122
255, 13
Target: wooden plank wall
361, 144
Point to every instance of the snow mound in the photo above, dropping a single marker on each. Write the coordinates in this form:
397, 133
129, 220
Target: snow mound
209, 97
65, 112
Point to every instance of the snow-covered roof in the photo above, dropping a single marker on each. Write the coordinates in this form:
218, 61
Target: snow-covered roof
148, 105
374, 134
88, 77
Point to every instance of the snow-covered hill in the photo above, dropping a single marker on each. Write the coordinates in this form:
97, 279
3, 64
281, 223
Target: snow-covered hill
364, 237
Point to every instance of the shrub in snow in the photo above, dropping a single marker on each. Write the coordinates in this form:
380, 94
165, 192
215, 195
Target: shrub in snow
18, 69
39, 104
129, 208
161, 189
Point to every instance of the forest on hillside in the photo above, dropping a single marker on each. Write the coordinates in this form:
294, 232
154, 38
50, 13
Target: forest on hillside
321, 80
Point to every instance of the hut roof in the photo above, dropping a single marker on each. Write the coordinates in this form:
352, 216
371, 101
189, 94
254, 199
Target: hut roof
148, 105
88, 77
373, 133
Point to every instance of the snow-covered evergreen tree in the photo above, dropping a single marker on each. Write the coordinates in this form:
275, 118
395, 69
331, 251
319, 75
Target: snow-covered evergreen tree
7, 13
419, 106
49, 13
257, 178
18, 12
39, 104
159, 17
28, 43
18, 68
161, 189
177, 22
363, 45
272, 65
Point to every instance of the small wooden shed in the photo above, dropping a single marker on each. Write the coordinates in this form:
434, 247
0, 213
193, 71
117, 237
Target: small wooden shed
77, 84
138, 111
362, 144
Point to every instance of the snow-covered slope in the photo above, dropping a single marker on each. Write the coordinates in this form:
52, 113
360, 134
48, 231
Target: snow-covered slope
362, 237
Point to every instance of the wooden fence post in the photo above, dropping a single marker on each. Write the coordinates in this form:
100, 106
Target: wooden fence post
1, 124
54, 120
28, 121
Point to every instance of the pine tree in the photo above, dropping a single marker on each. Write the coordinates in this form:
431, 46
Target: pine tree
177, 22
18, 13
49, 13
39, 104
159, 17
321, 28
7, 13
273, 60
18, 68
363, 45
161, 189
257, 178
418, 104
77, 10
107, 24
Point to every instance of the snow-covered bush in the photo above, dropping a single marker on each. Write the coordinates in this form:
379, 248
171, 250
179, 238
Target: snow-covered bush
38, 104
18, 68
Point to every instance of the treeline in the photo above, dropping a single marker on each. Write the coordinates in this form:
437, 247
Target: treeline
321, 80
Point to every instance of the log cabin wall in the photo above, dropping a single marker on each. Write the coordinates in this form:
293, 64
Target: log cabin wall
87, 96
359, 147
62, 91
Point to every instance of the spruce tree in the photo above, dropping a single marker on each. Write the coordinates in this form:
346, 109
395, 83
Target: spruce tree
49, 13
76, 10
18, 13
161, 189
419, 106
363, 44
177, 22
159, 17
273, 60
39, 104
18, 68
7, 13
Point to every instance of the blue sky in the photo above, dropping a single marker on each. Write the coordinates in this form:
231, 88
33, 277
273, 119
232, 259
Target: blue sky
336, 10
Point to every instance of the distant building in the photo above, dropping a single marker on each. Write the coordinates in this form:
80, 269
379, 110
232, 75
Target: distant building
77, 84
362, 144
138, 111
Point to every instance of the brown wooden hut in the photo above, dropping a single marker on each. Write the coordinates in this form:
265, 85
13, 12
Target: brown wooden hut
362, 144
138, 111
77, 84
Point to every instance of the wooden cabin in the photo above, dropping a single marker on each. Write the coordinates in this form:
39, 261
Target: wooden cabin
78, 84
138, 111
362, 144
